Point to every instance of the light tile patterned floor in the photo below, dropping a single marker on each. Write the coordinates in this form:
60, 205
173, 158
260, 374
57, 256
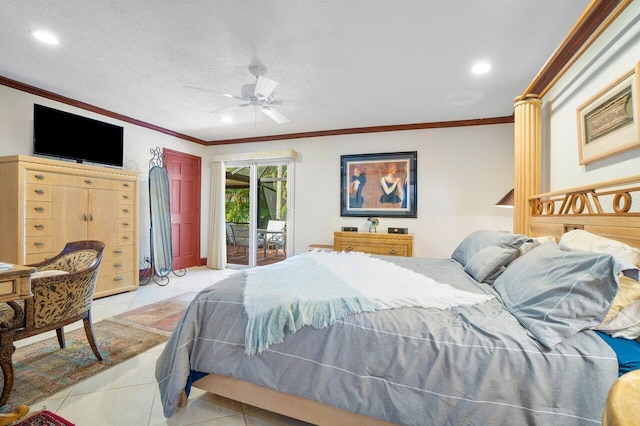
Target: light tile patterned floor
127, 394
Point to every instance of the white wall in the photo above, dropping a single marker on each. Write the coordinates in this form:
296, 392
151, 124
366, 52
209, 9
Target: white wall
16, 137
613, 54
462, 172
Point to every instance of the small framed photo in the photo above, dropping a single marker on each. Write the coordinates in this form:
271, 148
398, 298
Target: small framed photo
383, 185
608, 121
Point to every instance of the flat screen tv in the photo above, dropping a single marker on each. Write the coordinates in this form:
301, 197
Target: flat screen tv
69, 136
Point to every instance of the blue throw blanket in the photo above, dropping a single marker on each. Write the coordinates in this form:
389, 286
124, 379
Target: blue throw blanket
293, 294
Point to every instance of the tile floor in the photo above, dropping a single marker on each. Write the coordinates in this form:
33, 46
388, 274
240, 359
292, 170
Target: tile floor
127, 393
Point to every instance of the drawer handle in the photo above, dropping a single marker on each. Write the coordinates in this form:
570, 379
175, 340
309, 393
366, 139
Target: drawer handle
118, 279
125, 210
39, 191
348, 248
125, 224
39, 226
39, 209
126, 197
126, 185
90, 217
39, 177
118, 251
118, 265
126, 237
38, 244
393, 251
88, 181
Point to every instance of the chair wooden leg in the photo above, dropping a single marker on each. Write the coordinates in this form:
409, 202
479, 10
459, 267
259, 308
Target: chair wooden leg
7, 349
60, 334
88, 330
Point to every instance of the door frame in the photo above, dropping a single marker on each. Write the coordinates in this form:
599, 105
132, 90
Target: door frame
253, 165
197, 200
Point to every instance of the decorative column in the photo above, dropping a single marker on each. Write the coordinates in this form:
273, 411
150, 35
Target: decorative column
527, 157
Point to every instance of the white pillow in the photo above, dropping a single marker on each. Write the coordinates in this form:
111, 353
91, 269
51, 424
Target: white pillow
579, 239
48, 273
625, 324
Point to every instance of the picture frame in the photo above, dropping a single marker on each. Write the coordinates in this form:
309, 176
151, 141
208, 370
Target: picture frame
608, 121
379, 185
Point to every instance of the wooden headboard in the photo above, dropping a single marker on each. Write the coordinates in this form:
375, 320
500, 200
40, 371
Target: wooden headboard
607, 208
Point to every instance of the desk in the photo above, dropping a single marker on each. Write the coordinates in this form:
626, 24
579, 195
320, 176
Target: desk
15, 284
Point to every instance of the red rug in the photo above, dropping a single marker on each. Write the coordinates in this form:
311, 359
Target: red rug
160, 317
45, 418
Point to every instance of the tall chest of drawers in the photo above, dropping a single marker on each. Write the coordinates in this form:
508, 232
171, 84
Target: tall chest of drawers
47, 203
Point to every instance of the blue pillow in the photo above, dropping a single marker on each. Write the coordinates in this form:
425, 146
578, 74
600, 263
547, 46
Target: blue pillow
486, 265
484, 238
555, 293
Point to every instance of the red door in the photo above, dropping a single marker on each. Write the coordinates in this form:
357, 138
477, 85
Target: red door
184, 183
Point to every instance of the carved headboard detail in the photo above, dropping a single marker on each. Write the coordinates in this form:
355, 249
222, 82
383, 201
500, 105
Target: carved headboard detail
610, 209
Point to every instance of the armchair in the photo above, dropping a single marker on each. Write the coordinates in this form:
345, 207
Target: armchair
62, 289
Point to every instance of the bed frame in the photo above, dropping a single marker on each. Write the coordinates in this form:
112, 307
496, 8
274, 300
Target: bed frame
605, 209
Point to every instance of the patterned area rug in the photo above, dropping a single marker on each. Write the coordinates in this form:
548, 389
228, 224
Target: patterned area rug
160, 317
42, 368
45, 418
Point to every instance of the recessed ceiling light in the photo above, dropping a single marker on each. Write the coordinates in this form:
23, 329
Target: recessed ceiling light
481, 68
45, 37
227, 95
226, 119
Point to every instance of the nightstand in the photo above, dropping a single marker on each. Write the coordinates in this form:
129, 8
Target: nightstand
374, 243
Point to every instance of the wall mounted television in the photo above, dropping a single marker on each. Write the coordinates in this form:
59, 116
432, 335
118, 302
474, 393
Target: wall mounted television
69, 136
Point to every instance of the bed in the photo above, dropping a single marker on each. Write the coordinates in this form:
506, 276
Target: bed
524, 352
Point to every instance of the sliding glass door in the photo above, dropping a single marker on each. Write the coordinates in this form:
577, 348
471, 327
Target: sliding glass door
256, 212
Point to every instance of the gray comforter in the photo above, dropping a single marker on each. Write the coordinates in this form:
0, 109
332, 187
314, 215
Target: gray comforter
470, 365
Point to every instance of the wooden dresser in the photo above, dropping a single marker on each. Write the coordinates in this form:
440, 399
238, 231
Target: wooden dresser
47, 203
374, 243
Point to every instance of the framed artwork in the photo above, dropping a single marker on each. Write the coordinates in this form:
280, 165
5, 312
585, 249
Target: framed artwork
383, 185
608, 121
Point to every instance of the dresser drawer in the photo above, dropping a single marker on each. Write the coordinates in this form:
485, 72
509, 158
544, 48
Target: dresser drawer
385, 249
38, 209
39, 257
38, 192
40, 226
38, 176
38, 244
374, 243
126, 197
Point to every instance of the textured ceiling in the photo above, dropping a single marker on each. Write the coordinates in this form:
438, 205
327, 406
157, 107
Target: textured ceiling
340, 64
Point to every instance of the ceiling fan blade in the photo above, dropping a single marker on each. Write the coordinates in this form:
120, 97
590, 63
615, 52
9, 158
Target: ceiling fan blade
226, 95
274, 115
215, 111
264, 87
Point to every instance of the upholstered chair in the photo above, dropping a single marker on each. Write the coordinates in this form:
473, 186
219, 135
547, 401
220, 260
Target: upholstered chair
62, 289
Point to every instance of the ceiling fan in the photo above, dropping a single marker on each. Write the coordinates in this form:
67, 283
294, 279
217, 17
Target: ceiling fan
258, 95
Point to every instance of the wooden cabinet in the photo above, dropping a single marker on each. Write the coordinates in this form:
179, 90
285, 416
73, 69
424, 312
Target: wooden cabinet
374, 243
47, 203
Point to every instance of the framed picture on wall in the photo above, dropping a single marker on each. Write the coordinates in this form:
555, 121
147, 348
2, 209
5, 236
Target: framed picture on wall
608, 121
383, 185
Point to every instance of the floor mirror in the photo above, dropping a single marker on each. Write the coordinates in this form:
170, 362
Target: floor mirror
161, 246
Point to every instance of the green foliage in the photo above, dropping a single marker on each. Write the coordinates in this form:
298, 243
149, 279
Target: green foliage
237, 205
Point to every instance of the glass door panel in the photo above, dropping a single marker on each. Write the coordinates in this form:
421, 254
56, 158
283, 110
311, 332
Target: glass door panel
256, 213
237, 214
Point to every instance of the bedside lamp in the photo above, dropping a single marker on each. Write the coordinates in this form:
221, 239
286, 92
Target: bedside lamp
506, 201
